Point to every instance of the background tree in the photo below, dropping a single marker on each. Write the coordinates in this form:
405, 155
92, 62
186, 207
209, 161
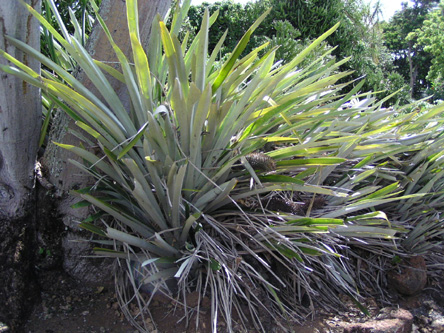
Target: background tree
431, 37
410, 59
232, 16
236, 18
292, 25
370, 58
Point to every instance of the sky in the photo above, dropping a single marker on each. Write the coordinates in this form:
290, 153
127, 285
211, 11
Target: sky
388, 6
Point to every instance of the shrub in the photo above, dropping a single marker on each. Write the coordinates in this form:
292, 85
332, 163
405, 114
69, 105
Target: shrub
253, 182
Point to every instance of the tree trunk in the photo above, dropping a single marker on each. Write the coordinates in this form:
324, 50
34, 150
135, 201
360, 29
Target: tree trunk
20, 118
64, 175
413, 69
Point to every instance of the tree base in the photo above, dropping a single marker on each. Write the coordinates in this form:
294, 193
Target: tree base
19, 289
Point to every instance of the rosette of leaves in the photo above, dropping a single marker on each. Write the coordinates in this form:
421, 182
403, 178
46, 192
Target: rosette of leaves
176, 172
79, 24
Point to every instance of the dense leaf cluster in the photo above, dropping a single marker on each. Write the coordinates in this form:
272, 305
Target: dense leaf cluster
431, 37
379, 51
243, 177
409, 57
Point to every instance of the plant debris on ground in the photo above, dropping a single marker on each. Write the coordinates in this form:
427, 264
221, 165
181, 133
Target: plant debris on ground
69, 306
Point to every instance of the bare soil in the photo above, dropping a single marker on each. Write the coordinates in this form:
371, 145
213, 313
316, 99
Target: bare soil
69, 306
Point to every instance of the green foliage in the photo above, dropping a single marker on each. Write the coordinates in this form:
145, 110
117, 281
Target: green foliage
246, 180
313, 18
44, 252
236, 18
410, 58
71, 17
231, 17
75, 16
288, 44
430, 36
293, 25
394, 81
359, 35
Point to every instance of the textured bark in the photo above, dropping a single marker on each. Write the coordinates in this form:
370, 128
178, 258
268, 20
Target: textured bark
20, 117
413, 69
61, 173
20, 113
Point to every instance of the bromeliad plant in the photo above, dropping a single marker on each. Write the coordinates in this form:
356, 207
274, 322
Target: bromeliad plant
54, 51
246, 180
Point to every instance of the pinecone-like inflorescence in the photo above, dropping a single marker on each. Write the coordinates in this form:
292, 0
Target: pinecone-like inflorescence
319, 202
260, 161
280, 204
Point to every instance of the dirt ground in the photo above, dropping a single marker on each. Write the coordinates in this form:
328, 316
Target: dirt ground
68, 306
